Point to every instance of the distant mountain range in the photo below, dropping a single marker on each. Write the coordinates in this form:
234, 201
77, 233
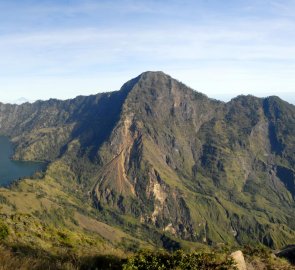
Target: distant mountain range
160, 162
20, 101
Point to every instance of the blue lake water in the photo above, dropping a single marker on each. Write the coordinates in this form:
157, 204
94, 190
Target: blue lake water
11, 170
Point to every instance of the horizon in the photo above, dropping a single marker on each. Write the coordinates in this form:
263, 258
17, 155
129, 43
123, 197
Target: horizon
57, 49
223, 98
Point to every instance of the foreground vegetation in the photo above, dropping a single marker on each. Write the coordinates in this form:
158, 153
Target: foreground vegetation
21, 257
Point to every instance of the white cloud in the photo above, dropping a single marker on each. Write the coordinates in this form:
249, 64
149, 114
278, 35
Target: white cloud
211, 52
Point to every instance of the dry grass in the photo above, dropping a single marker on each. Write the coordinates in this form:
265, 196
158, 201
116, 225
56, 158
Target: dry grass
10, 260
110, 233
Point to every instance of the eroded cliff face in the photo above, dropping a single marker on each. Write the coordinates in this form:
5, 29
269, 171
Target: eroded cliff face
171, 158
194, 167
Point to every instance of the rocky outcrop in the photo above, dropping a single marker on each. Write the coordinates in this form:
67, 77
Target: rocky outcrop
239, 260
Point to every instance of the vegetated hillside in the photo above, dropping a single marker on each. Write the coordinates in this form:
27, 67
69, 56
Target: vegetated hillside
158, 161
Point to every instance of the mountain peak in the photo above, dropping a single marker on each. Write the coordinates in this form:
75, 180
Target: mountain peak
146, 80
151, 74
155, 77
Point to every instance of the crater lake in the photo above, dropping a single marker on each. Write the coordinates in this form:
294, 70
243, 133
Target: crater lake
11, 170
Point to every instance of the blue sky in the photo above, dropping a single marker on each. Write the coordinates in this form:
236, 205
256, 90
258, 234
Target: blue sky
62, 48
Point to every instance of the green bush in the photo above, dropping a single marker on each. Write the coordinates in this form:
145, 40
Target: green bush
3, 231
147, 260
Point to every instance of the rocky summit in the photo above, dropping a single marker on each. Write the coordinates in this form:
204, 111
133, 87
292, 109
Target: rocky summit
153, 164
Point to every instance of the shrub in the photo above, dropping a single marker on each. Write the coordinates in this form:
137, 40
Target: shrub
3, 231
147, 260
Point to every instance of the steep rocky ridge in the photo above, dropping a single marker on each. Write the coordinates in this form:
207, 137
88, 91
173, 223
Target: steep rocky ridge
202, 169
171, 159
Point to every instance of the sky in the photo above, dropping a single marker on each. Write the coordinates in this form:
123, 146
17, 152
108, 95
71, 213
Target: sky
222, 48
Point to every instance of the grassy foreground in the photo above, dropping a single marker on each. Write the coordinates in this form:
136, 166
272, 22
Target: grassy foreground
21, 257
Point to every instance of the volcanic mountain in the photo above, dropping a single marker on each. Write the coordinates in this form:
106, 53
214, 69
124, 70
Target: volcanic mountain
159, 161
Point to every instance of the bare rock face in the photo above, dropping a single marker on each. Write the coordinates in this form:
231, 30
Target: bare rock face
239, 260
